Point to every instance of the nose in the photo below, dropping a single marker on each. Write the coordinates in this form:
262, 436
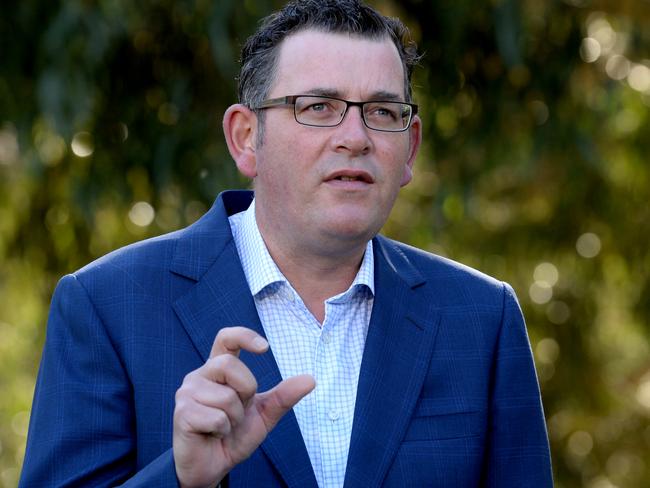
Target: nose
352, 135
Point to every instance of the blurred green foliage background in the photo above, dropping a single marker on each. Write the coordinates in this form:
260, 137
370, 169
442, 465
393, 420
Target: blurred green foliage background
535, 169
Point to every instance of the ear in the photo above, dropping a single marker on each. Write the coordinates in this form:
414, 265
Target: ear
240, 130
415, 138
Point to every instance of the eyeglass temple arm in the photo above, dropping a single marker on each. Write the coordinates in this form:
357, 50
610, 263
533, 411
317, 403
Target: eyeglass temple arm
275, 102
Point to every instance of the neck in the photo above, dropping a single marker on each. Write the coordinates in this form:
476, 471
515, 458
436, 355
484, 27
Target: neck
316, 276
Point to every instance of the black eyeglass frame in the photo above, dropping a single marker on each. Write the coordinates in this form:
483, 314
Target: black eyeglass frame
291, 100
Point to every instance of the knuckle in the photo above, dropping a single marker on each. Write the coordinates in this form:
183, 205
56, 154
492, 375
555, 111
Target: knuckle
216, 362
187, 387
221, 423
181, 393
181, 408
230, 397
221, 362
251, 386
249, 390
189, 379
226, 332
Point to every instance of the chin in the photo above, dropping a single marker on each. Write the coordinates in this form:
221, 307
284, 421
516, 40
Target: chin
353, 230
353, 222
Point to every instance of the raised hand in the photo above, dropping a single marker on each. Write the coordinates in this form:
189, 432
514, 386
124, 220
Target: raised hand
219, 419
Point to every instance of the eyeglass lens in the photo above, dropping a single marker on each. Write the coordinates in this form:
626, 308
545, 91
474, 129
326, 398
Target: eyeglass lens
328, 112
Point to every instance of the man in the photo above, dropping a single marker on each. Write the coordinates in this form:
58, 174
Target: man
387, 366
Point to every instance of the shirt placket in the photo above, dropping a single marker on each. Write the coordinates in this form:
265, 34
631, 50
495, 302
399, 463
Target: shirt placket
330, 414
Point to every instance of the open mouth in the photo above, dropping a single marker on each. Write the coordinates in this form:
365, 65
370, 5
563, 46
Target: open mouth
349, 176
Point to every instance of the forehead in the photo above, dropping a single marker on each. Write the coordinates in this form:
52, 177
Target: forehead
347, 65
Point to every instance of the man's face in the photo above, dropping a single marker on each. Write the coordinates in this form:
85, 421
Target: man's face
318, 186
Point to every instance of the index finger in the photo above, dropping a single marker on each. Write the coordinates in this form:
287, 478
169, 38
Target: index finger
230, 340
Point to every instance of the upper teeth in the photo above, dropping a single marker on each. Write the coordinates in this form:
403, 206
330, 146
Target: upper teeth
347, 178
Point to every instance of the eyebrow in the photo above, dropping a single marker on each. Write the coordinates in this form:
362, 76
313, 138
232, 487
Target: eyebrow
331, 92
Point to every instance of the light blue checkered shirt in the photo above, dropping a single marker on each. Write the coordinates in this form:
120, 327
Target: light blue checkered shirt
331, 353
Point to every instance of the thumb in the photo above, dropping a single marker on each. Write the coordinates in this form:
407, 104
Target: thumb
277, 401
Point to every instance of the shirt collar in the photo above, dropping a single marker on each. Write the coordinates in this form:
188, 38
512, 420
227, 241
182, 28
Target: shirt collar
260, 269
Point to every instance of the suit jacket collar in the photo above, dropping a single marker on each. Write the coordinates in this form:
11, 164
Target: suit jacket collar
401, 333
200, 244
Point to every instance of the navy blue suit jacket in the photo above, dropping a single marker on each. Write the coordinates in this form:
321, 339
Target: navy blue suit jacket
447, 394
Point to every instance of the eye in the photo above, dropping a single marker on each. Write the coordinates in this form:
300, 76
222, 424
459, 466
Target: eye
388, 111
385, 112
317, 107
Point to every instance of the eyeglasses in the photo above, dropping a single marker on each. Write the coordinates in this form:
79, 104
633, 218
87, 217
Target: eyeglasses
320, 111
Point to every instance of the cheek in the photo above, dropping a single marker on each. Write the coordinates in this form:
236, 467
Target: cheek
289, 163
271, 177
394, 162
277, 177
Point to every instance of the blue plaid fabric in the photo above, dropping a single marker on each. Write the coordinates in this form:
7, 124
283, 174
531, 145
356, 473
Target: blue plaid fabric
330, 352
446, 395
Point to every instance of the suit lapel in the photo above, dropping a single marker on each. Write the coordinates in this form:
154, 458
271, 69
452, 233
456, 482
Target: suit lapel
221, 298
396, 358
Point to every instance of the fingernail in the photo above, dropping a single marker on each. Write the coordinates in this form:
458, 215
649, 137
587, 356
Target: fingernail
260, 343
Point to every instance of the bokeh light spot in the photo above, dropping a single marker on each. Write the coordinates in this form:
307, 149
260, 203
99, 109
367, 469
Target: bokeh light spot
617, 67
142, 214
547, 350
82, 144
590, 50
8, 144
49, 145
168, 113
540, 111
580, 443
123, 131
588, 245
639, 78
540, 292
20, 423
155, 97
464, 104
601, 482
643, 392
626, 121
598, 28
9, 476
56, 216
619, 465
453, 208
546, 272
447, 121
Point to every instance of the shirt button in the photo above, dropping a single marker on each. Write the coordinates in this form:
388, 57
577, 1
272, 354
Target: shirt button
334, 415
326, 337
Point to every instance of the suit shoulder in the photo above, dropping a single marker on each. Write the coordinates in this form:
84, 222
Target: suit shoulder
150, 252
148, 265
142, 265
446, 274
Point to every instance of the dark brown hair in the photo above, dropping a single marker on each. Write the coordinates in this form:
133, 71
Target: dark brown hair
260, 52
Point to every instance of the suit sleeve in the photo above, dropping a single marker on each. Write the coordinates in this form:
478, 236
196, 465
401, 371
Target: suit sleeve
518, 451
82, 425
